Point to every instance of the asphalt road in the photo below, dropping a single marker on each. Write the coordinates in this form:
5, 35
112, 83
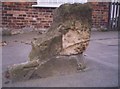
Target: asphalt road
101, 59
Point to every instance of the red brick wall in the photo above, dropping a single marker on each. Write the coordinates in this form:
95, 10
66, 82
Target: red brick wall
100, 14
22, 14
18, 15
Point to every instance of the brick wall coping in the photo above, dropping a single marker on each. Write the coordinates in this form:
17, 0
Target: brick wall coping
47, 5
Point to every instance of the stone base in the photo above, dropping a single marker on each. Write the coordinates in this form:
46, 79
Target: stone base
61, 65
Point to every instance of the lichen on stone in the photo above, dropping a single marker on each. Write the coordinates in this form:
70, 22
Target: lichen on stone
68, 35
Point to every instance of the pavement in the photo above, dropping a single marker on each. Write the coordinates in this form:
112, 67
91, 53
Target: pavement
101, 59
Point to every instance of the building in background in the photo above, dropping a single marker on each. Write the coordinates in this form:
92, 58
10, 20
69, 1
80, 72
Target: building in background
37, 15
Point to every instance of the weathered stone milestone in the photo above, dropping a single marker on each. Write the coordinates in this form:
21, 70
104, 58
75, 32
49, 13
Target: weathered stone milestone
60, 50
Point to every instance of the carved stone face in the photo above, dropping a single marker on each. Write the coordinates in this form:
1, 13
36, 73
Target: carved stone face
75, 40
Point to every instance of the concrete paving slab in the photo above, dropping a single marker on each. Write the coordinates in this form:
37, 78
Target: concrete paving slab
101, 59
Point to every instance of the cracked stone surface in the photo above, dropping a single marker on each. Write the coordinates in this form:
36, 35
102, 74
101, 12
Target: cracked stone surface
69, 35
